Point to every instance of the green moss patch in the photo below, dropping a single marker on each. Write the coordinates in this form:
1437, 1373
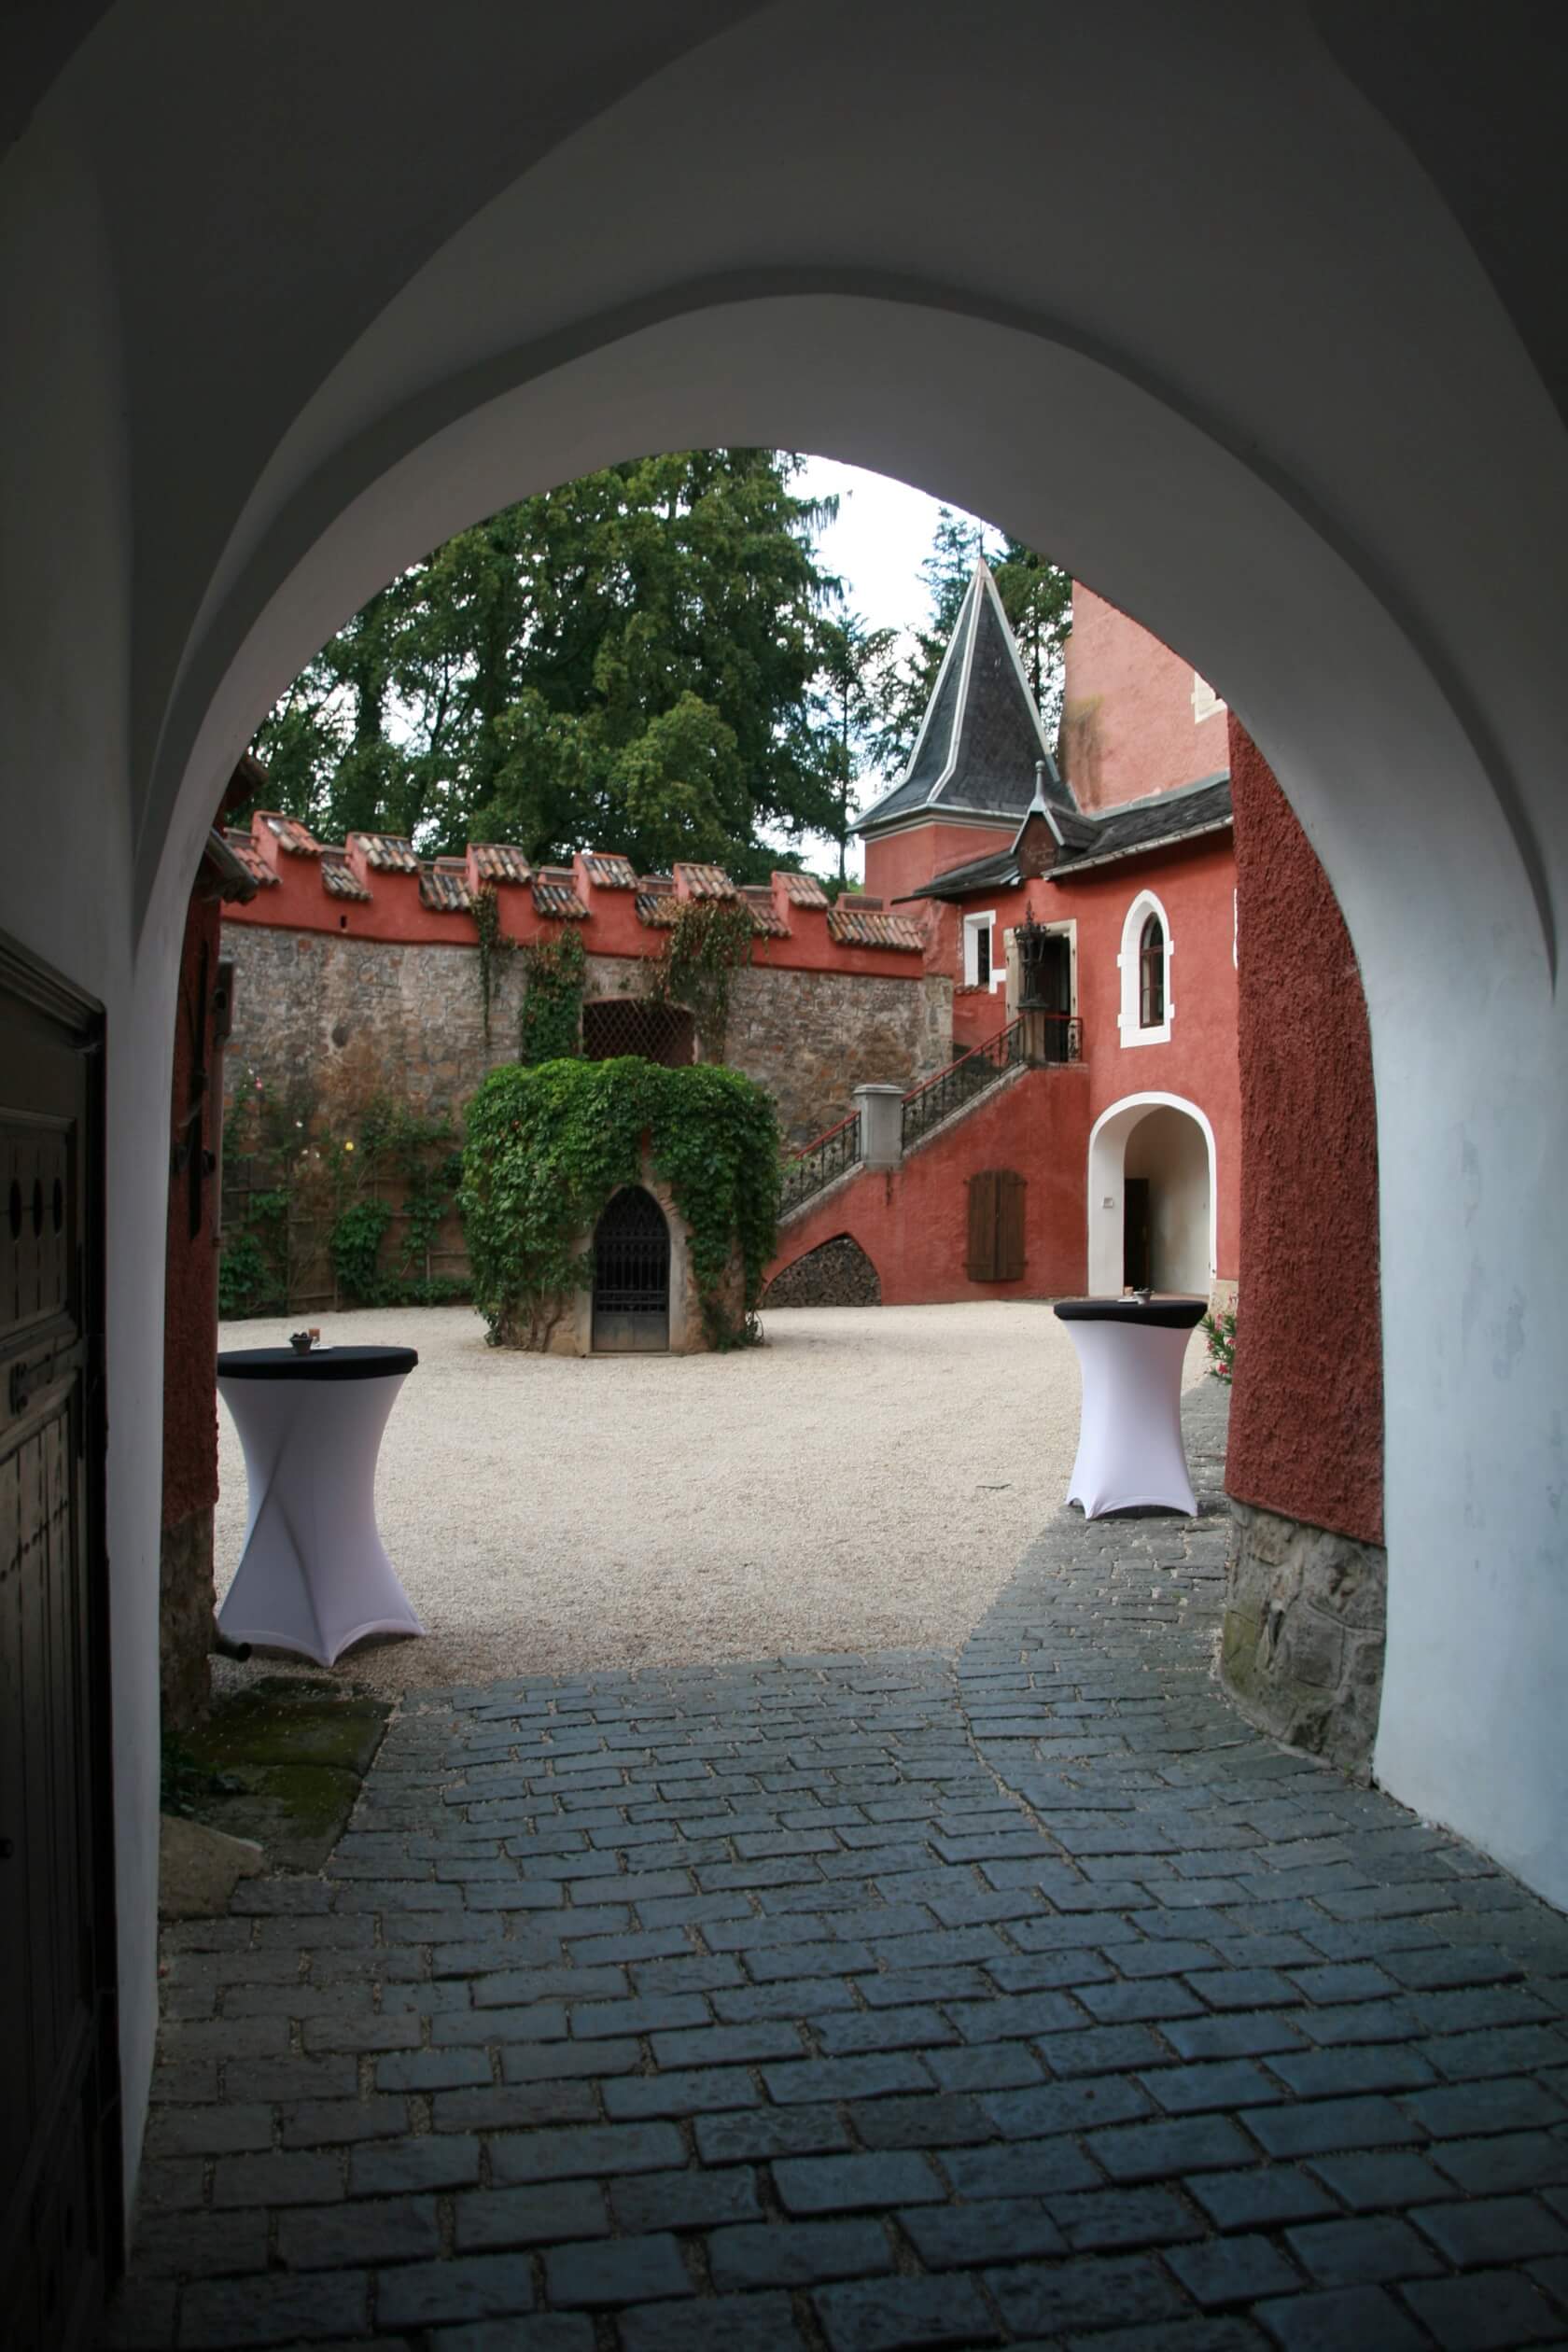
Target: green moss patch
281, 1761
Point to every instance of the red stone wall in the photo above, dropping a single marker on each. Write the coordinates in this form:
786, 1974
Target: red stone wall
1306, 1416
913, 1221
190, 1282
1128, 725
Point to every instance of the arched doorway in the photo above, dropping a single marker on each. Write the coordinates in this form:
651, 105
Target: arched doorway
631, 1276
1153, 1198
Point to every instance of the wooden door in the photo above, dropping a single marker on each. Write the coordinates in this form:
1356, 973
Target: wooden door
996, 1225
59, 2185
1136, 1248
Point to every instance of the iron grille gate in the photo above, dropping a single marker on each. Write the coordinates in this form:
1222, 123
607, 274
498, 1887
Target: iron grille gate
631, 1275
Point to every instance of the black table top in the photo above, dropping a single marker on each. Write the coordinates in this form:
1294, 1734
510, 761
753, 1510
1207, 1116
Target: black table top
320, 1363
1161, 1314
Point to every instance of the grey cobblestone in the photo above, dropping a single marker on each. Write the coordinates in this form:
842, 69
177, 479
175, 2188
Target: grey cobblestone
859, 2002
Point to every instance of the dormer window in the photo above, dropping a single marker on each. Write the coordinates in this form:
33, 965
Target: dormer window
1150, 974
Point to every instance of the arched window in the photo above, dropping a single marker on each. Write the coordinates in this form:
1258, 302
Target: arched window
1144, 963
1150, 974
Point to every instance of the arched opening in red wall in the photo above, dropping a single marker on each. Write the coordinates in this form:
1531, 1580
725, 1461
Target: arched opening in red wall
1152, 1196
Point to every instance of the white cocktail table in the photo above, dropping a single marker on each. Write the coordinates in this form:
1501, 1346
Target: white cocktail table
313, 1576
1131, 1455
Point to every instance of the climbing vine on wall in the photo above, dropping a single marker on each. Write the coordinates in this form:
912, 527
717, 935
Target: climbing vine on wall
314, 1183
492, 944
547, 1147
550, 1026
708, 942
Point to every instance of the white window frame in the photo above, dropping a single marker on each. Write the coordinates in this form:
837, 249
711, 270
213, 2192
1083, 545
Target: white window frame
1127, 1021
1206, 704
973, 926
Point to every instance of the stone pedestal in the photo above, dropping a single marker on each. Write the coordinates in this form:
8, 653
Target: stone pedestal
881, 1109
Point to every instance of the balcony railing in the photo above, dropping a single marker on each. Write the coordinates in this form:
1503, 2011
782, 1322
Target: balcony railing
814, 1168
953, 1088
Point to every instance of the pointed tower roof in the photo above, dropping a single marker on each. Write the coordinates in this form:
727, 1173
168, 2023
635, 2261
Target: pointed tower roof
981, 739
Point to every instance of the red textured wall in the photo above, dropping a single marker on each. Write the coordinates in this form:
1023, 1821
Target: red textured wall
1128, 727
190, 1282
1194, 882
1307, 1416
913, 1221
901, 862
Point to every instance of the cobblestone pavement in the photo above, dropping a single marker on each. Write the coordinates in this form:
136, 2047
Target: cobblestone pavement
870, 2002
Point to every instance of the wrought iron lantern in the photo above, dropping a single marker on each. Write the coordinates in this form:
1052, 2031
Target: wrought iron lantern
1033, 944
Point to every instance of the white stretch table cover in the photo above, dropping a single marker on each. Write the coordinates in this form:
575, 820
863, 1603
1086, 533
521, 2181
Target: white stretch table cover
1130, 1453
314, 1575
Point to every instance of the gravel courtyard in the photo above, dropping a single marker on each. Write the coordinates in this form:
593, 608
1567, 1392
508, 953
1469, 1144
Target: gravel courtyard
865, 1481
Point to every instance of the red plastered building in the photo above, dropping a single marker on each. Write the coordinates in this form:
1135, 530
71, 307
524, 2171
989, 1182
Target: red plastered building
1087, 921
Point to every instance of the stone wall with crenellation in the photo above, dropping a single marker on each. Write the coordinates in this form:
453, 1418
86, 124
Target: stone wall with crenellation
346, 1020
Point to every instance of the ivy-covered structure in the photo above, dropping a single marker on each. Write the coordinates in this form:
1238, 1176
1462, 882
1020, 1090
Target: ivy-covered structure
620, 1206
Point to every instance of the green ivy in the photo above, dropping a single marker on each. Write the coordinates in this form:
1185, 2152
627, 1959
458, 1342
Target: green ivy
708, 942
334, 1183
547, 1147
493, 944
550, 1026
246, 1284
355, 1248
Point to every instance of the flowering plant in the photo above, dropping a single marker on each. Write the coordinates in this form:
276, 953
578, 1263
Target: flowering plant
1220, 1332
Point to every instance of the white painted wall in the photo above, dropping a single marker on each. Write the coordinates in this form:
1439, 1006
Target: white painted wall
235, 398
1171, 1149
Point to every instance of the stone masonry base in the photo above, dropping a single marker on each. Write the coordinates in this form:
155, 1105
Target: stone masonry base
1302, 1653
185, 1618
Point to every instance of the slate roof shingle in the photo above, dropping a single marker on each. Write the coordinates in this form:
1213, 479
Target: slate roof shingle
981, 741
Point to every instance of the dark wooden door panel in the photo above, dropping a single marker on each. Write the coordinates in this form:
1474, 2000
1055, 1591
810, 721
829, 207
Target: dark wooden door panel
59, 2224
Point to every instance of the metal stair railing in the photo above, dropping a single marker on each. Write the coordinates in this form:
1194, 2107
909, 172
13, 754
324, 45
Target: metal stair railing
952, 1089
813, 1169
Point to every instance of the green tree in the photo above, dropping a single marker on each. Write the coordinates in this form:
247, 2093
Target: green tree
846, 705
1037, 598
623, 664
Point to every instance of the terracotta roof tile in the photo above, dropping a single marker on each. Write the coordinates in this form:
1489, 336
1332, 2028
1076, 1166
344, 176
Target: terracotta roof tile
250, 858
765, 918
703, 882
338, 878
386, 853
443, 886
850, 930
657, 908
803, 889
554, 895
290, 833
498, 862
607, 872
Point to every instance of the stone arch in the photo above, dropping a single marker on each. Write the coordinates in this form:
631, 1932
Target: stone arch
1192, 1190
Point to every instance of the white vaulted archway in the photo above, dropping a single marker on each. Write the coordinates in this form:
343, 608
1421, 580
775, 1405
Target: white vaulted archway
1193, 1226
1259, 408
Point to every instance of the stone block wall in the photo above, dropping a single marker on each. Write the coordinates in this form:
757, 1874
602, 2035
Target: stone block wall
1303, 1641
351, 1019
337, 1022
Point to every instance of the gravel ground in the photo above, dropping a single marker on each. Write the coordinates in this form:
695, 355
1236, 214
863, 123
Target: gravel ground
865, 1481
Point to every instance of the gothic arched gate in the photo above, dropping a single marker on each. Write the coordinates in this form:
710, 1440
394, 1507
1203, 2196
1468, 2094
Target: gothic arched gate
631, 1275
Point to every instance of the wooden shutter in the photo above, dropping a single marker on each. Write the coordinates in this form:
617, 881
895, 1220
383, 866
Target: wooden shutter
982, 1226
996, 1225
1010, 1226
